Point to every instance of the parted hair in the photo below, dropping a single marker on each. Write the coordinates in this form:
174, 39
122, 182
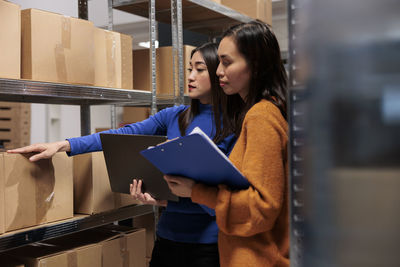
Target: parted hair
259, 46
218, 98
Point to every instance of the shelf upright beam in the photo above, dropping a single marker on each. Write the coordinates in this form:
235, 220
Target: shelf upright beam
297, 98
113, 109
85, 108
83, 9
153, 37
177, 51
153, 78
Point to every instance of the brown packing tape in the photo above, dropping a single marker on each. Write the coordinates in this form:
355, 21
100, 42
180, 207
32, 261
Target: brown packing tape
66, 32
72, 259
45, 182
123, 244
61, 64
111, 47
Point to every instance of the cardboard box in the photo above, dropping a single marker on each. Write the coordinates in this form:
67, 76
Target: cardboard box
48, 255
35, 193
113, 59
164, 73
15, 124
10, 40
57, 48
256, 9
92, 190
127, 249
120, 245
147, 222
134, 114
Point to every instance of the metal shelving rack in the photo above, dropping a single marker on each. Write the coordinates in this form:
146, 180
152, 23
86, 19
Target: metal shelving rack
78, 223
58, 93
297, 97
84, 96
204, 16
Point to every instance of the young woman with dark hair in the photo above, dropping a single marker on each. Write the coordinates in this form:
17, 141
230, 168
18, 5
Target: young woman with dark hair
187, 233
253, 223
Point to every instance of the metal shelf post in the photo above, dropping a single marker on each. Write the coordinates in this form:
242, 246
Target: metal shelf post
177, 51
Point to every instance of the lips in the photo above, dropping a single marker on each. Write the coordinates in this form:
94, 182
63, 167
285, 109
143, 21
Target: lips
191, 87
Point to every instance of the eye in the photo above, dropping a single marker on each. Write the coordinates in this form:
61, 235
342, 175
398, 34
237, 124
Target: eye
189, 69
200, 70
226, 63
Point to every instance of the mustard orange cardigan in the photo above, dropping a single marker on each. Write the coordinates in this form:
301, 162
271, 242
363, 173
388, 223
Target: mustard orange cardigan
254, 223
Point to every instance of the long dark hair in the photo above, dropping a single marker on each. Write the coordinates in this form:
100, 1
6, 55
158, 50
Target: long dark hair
259, 46
218, 98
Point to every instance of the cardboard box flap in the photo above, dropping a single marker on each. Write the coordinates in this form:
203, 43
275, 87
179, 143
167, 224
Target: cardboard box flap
36, 250
83, 238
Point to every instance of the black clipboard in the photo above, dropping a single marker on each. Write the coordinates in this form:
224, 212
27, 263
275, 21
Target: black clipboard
124, 163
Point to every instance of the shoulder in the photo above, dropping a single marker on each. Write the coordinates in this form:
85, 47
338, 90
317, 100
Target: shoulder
265, 112
173, 110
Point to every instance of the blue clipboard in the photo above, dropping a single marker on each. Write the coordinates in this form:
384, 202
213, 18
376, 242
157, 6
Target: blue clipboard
195, 156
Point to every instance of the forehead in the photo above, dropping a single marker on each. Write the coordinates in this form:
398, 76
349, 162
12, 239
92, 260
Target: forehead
197, 58
227, 47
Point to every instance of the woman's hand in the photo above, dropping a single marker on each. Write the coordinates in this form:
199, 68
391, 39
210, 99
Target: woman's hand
179, 185
145, 198
43, 150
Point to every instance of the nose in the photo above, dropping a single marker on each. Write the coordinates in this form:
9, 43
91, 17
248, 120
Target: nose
192, 76
220, 71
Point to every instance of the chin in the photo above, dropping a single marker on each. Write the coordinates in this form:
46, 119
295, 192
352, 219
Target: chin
229, 91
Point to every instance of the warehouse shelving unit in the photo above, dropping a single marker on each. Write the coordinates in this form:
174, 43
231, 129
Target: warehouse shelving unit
58, 93
198, 15
203, 16
78, 223
297, 97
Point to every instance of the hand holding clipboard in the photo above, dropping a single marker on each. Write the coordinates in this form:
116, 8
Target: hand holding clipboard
195, 156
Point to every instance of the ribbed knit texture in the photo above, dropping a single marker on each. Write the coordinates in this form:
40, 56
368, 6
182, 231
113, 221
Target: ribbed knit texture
254, 223
182, 221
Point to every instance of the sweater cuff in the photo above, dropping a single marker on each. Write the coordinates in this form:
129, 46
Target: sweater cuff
206, 195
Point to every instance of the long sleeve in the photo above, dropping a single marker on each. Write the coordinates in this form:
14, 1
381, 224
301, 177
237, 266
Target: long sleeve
260, 154
155, 125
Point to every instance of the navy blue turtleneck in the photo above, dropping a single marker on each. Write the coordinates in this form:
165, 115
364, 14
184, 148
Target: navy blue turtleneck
182, 221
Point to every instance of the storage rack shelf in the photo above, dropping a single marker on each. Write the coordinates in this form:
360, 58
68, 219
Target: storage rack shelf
203, 16
78, 223
58, 93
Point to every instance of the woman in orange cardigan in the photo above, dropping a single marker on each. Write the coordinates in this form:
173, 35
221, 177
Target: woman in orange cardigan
253, 223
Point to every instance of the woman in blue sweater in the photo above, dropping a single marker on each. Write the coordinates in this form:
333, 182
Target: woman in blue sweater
187, 233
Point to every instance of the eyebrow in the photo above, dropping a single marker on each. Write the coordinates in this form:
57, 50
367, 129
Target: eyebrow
198, 63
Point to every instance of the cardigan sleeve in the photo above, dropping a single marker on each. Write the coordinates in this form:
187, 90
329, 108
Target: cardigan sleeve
261, 158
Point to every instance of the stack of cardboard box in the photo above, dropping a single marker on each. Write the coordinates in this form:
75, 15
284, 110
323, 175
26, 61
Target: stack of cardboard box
114, 246
164, 71
57, 48
15, 124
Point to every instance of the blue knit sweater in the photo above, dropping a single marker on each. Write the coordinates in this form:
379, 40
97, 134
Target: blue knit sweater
182, 221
